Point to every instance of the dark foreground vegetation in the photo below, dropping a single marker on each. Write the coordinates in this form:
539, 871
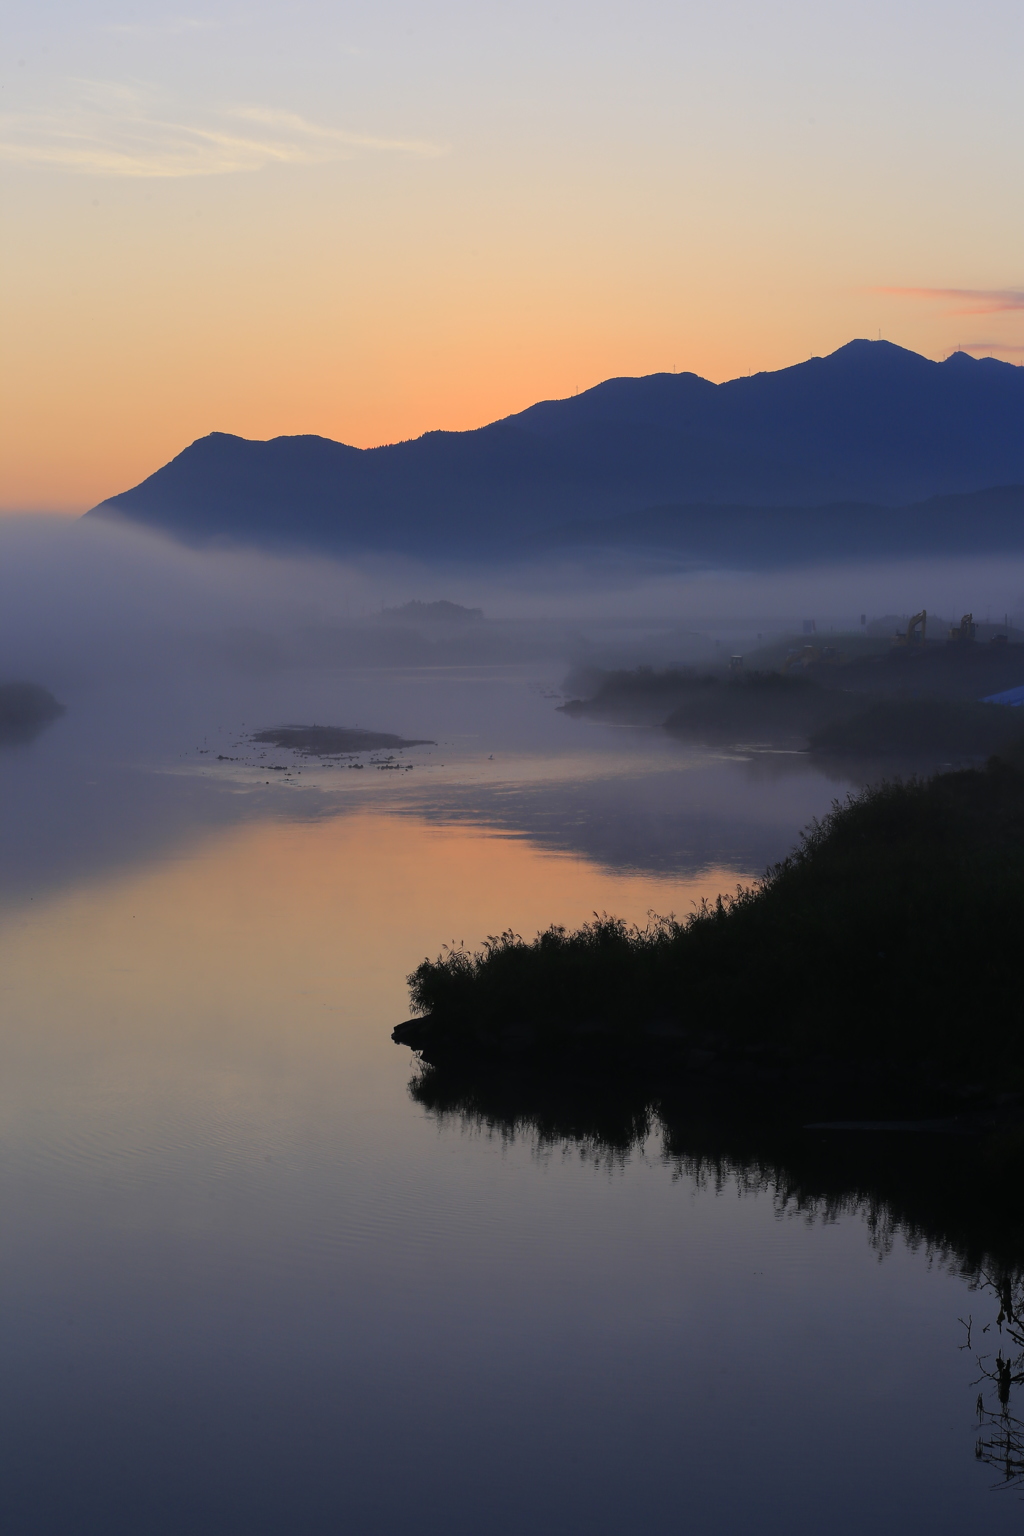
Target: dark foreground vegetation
25, 710
846, 1037
887, 945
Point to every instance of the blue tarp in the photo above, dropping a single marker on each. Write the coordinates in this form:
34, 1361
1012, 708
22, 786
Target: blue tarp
1012, 696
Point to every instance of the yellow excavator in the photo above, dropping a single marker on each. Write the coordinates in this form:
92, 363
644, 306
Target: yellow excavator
965, 631
916, 630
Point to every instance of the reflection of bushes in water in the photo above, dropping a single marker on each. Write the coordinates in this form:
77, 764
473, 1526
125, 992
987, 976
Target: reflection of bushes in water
606, 1120
892, 933
949, 1195
941, 1192
1000, 1442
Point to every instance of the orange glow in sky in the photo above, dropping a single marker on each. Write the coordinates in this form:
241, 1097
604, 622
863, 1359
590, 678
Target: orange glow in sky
298, 221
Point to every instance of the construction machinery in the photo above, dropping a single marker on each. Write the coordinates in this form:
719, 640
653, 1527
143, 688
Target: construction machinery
916, 630
964, 632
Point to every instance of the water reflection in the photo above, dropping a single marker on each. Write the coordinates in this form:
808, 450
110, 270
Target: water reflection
124, 777
1000, 1443
952, 1193
129, 774
952, 1196
248, 1286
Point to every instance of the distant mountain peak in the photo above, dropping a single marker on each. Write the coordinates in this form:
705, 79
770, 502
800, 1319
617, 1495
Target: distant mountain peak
440, 612
872, 422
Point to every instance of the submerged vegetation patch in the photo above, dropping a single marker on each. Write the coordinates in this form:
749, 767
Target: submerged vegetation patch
332, 740
25, 710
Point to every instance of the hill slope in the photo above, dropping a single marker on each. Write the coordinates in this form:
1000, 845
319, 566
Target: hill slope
990, 521
871, 423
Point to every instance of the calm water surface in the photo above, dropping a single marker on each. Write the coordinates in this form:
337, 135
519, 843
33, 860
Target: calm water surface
249, 1285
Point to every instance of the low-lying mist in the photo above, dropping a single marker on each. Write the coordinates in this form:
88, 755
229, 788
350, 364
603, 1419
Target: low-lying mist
100, 601
164, 658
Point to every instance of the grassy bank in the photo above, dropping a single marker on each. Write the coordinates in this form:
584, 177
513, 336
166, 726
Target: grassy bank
771, 706
909, 702
891, 933
637, 694
954, 728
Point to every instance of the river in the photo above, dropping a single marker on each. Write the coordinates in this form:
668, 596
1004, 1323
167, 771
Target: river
251, 1284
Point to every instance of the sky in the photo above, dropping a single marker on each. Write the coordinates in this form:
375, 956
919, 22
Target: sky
372, 221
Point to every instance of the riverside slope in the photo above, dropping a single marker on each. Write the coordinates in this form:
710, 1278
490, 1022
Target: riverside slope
870, 424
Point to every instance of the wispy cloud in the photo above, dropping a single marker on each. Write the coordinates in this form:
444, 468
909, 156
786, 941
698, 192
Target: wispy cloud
967, 301
173, 26
116, 129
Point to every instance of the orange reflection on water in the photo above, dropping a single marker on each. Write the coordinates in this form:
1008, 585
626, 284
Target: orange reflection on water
265, 926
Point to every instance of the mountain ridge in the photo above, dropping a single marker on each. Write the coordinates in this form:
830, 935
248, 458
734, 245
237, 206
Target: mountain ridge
871, 423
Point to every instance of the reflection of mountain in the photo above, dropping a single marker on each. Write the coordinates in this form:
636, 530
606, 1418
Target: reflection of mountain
872, 423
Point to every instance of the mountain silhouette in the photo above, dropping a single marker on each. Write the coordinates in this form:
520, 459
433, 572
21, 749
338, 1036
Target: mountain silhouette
759, 538
870, 424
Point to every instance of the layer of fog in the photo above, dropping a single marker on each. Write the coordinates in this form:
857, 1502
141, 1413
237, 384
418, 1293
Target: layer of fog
161, 653
91, 601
